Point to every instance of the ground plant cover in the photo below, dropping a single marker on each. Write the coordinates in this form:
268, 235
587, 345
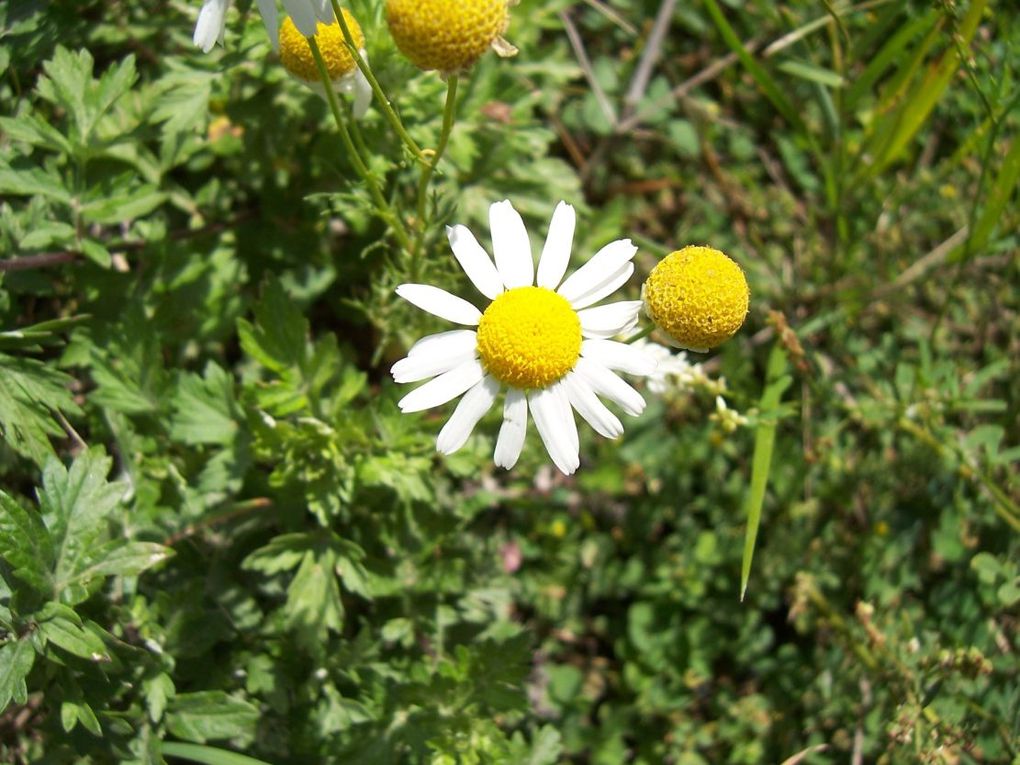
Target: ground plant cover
468, 381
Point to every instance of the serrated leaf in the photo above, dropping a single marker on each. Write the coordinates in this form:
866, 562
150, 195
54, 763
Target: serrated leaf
209, 715
183, 103
123, 205
313, 597
204, 408
158, 691
75, 505
35, 131
25, 544
16, 659
31, 391
278, 338
33, 182
48, 234
282, 553
74, 639
119, 558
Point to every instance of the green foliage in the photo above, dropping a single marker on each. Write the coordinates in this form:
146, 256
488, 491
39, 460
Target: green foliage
239, 550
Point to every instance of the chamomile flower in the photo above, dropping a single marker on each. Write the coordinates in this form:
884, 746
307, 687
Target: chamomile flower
539, 339
448, 36
698, 296
212, 19
296, 57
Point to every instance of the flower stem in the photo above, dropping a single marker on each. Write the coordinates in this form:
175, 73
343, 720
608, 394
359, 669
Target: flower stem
428, 170
377, 91
382, 206
643, 333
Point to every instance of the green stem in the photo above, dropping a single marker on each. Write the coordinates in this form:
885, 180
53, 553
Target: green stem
428, 170
378, 93
382, 205
643, 333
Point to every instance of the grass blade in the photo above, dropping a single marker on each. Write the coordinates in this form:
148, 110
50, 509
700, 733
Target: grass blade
998, 197
760, 75
776, 382
207, 755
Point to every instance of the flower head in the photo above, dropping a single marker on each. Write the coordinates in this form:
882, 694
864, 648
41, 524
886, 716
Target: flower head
296, 57
539, 338
448, 36
698, 296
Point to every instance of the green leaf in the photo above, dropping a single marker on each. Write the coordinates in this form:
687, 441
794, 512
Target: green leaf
158, 691
204, 408
278, 338
16, 659
812, 73
34, 182
35, 131
313, 597
207, 755
209, 715
74, 639
123, 204
75, 506
119, 558
25, 544
96, 252
72, 713
31, 391
183, 103
776, 383
992, 216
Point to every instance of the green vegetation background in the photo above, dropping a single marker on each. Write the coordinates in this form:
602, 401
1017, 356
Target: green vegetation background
196, 322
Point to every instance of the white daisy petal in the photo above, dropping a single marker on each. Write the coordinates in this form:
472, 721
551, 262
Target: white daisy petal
511, 246
362, 92
469, 411
448, 343
324, 11
547, 407
621, 356
566, 415
475, 261
612, 283
302, 13
511, 434
414, 368
556, 252
611, 319
211, 21
440, 303
603, 264
271, 20
444, 388
587, 404
606, 383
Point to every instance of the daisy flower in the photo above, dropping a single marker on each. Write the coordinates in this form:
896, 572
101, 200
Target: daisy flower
296, 57
306, 13
540, 339
448, 36
698, 296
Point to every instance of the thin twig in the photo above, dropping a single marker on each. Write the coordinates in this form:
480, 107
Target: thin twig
589, 74
649, 56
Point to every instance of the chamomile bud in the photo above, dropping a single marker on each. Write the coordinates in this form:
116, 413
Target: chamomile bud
698, 296
448, 36
296, 57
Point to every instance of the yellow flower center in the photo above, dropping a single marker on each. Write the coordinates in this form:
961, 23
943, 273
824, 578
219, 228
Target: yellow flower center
529, 337
296, 53
698, 296
444, 35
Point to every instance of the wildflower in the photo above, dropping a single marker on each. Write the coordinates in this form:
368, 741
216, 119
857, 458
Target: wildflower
673, 372
211, 19
727, 419
698, 296
296, 57
448, 36
539, 338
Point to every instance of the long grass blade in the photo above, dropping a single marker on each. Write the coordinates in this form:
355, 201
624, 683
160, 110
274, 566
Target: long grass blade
776, 382
998, 197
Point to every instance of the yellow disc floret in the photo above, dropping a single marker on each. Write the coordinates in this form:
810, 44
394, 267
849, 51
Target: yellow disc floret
529, 337
296, 53
698, 296
448, 35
